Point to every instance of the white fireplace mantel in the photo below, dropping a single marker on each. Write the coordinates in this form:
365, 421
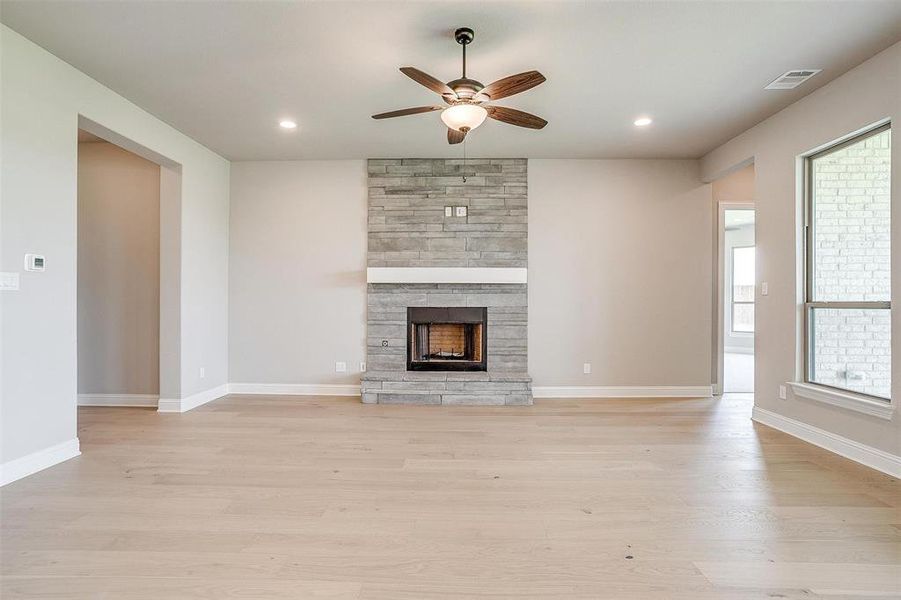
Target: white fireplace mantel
446, 275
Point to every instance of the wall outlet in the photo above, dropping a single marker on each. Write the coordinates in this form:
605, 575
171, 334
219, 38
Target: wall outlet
340, 367
586, 368
9, 281
448, 211
783, 392
202, 372
362, 367
461, 211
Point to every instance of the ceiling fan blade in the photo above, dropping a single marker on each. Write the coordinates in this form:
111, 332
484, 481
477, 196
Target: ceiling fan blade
407, 111
508, 86
437, 86
454, 136
515, 117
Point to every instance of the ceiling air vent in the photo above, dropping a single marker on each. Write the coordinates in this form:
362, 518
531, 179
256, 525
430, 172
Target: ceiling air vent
792, 79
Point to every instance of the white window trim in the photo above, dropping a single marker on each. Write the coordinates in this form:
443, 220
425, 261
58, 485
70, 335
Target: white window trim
843, 399
803, 388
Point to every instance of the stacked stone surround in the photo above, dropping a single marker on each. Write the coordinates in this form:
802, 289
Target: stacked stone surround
408, 228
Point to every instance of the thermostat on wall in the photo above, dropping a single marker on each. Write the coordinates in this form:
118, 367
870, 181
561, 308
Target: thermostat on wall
34, 262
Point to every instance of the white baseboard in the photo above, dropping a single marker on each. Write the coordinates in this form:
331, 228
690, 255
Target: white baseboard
738, 350
38, 461
312, 389
861, 453
645, 391
144, 400
180, 405
294, 389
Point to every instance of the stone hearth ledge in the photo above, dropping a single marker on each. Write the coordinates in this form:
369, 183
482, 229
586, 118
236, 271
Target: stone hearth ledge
434, 387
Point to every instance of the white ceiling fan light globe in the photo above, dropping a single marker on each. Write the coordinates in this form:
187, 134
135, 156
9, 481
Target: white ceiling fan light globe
464, 116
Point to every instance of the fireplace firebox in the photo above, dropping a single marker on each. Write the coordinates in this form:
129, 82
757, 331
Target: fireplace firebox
447, 339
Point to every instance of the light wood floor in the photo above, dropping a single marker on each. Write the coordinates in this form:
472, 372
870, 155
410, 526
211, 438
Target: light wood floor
279, 497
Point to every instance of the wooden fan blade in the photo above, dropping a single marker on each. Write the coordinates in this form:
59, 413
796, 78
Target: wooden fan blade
407, 111
454, 136
508, 86
515, 117
437, 86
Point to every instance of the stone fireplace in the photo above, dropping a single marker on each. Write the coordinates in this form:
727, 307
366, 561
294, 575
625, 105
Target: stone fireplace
447, 294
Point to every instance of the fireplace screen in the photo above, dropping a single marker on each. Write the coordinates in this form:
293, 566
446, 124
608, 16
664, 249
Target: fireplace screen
447, 339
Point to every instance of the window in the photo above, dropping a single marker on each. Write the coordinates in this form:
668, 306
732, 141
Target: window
848, 287
743, 289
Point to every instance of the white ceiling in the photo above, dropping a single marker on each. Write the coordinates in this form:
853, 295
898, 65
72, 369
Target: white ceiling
224, 73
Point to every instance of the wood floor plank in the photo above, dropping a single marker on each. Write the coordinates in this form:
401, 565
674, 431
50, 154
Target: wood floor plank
304, 497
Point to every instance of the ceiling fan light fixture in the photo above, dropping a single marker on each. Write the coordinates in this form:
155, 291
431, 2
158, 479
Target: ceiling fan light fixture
467, 98
464, 117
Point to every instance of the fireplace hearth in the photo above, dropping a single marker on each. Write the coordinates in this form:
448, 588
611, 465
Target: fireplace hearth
447, 339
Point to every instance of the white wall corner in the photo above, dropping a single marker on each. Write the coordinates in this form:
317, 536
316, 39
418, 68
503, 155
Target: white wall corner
180, 405
294, 389
132, 400
868, 456
38, 461
647, 391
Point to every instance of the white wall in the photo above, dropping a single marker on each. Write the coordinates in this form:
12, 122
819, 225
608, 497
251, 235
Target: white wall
620, 273
42, 98
737, 187
118, 271
866, 95
297, 299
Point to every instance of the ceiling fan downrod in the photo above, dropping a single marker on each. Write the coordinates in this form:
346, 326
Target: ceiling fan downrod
464, 37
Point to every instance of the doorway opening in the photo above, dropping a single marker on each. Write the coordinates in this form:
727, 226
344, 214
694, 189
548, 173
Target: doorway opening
738, 296
118, 275
735, 289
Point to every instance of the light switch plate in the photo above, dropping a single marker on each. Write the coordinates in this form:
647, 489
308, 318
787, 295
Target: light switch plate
764, 289
35, 262
9, 282
461, 211
362, 367
448, 211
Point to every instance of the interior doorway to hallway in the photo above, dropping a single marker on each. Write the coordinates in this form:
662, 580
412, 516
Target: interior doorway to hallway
738, 300
735, 282
118, 275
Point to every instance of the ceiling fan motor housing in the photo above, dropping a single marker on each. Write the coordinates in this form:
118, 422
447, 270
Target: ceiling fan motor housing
464, 35
465, 88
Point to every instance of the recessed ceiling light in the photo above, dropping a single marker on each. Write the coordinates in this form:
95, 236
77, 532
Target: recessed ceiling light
643, 122
287, 124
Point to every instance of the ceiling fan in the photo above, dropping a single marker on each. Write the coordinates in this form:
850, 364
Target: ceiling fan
468, 98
